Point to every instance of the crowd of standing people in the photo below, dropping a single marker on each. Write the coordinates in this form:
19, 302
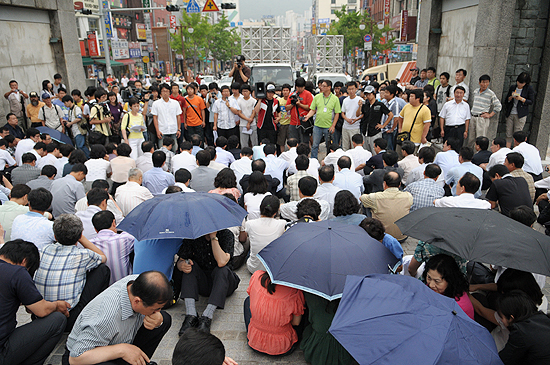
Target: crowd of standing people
74, 167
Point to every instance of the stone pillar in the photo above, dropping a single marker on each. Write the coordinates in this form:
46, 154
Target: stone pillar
429, 33
67, 50
540, 129
491, 45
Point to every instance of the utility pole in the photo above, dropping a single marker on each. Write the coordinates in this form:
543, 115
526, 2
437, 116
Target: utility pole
105, 40
185, 69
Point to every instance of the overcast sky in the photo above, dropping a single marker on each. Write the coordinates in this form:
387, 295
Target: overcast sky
255, 9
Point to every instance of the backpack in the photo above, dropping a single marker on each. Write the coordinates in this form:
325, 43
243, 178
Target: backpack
56, 111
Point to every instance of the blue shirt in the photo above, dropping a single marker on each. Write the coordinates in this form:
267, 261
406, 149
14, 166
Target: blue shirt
258, 152
424, 193
156, 180
393, 245
33, 227
456, 173
195, 150
156, 255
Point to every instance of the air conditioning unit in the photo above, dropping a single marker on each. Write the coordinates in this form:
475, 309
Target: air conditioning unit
160, 24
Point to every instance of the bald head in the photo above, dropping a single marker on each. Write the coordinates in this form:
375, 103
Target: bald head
152, 287
391, 180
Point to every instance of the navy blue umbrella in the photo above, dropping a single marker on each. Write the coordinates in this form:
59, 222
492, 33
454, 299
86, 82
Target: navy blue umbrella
56, 135
316, 257
396, 319
182, 215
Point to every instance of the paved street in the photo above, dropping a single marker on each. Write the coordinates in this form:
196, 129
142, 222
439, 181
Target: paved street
228, 325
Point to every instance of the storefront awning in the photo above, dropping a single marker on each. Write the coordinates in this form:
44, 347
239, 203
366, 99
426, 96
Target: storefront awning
101, 61
128, 61
87, 61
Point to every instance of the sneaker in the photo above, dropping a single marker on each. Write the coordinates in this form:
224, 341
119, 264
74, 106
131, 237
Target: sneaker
204, 324
188, 322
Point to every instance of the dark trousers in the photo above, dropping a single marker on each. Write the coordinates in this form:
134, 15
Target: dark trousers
455, 131
115, 186
282, 194
229, 132
97, 280
209, 133
33, 342
146, 340
298, 133
269, 134
238, 261
216, 284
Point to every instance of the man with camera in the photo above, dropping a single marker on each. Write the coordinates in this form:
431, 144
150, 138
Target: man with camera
240, 72
298, 106
100, 119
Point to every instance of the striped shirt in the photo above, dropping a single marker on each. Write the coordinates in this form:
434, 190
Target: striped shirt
62, 272
485, 101
393, 106
117, 248
107, 320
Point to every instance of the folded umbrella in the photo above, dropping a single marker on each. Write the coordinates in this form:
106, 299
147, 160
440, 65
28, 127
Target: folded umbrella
482, 235
316, 257
396, 319
182, 215
56, 135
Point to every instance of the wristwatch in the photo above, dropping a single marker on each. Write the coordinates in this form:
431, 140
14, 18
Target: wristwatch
215, 238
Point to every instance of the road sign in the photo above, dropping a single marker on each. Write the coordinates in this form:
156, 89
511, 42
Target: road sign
368, 46
368, 38
193, 7
146, 59
210, 6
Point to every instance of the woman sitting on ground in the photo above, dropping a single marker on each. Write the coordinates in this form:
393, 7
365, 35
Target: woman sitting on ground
257, 191
529, 340
346, 207
226, 182
443, 276
262, 231
270, 312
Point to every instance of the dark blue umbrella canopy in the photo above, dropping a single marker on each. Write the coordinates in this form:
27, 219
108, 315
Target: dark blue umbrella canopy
316, 257
396, 319
56, 135
182, 215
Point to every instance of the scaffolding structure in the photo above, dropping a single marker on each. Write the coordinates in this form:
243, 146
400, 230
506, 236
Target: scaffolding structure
326, 52
266, 44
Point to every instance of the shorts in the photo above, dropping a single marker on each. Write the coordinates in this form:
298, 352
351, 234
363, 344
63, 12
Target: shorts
282, 134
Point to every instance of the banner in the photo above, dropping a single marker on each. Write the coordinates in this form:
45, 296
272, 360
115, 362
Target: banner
120, 50
92, 44
134, 49
141, 31
386, 11
404, 20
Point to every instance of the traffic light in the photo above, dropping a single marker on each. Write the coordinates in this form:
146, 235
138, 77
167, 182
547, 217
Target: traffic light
229, 6
172, 8
86, 11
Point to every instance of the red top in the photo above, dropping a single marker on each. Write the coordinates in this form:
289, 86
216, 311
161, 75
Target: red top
308, 99
180, 99
270, 330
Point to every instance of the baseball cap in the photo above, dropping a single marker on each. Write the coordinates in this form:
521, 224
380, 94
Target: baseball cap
45, 96
271, 88
370, 90
33, 94
414, 69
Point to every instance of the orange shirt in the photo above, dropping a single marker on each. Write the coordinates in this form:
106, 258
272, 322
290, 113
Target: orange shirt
193, 119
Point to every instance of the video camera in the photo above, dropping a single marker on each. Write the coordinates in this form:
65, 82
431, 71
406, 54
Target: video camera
130, 92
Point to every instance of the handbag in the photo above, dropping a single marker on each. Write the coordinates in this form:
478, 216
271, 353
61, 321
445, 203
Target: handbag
406, 136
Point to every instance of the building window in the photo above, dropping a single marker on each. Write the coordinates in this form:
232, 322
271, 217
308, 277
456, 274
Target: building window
352, 1
333, 1
332, 11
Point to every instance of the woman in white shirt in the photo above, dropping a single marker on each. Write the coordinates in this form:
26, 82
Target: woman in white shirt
98, 165
257, 191
263, 231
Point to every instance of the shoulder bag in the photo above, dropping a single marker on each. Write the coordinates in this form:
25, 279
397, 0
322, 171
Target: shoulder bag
406, 136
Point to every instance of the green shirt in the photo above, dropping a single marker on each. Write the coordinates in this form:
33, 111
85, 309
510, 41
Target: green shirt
325, 107
434, 82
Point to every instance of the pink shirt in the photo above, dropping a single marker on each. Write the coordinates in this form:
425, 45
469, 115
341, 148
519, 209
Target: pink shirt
466, 304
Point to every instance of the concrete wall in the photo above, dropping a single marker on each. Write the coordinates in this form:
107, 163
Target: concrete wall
26, 54
456, 45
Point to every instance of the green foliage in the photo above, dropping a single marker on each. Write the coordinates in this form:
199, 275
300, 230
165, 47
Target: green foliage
348, 26
218, 39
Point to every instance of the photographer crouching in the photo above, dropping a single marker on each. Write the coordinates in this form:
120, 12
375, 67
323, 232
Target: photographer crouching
240, 72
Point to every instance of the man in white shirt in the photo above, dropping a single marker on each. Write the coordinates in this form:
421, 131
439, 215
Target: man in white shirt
222, 156
51, 158
5, 156
455, 174
225, 110
358, 154
531, 155
184, 160
307, 188
347, 179
249, 133
242, 166
290, 155
82, 204
183, 178
132, 194
335, 153
276, 168
97, 201
499, 152
349, 110
448, 159
426, 156
166, 114
27, 144
314, 165
145, 161
460, 75
467, 186
454, 118
409, 161
327, 190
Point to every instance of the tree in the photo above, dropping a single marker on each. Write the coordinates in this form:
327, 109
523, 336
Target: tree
195, 44
222, 41
348, 25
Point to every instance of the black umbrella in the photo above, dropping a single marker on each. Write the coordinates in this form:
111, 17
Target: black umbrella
482, 235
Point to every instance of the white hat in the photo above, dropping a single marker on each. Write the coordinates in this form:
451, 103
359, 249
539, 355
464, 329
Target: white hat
271, 88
